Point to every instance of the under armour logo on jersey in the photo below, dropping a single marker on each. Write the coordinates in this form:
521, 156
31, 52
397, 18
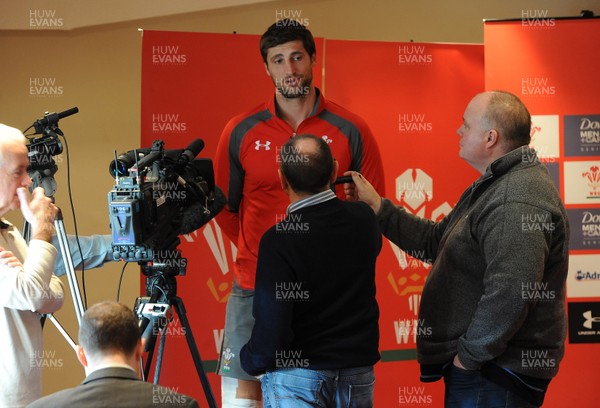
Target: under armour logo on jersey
327, 139
266, 145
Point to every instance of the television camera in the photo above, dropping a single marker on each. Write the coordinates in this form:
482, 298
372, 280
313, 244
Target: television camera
159, 195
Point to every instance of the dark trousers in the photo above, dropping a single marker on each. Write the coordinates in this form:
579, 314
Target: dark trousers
469, 389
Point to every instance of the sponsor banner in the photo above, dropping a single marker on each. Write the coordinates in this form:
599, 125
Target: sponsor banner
582, 135
536, 48
554, 171
585, 229
584, 322
584, 276
545, 136
582, 182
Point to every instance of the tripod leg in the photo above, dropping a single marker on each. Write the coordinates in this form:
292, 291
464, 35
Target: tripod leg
62, 330
159, 356
180, 308
70, 270
150, 346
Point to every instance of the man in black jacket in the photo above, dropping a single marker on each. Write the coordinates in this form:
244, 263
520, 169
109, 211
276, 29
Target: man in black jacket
316, 331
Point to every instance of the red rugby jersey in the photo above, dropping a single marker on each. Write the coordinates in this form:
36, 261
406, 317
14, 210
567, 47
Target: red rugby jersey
246, 166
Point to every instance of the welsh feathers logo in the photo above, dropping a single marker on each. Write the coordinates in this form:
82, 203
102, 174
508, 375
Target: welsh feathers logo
414, 191
592, 178
534, 130
227, 356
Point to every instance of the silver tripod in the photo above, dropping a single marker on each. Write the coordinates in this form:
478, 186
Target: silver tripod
42, 168
69, 268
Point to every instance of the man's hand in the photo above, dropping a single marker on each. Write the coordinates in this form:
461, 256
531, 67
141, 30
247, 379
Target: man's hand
39, 212
457, 362
9, 259
361, 190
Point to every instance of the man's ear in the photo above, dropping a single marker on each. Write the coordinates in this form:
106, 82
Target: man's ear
492, 138
81, 356
139, 349
336, 166
267, 69
284, 183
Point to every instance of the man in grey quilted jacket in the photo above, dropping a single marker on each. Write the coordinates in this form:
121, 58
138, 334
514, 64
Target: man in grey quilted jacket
492, 313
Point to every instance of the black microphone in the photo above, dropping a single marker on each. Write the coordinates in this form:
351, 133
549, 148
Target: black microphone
343, 180
190, 152
52, 118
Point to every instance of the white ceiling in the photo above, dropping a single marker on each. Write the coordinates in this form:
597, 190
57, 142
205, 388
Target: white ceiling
72, 14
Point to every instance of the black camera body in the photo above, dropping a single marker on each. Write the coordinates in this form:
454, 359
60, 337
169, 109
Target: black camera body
156, 198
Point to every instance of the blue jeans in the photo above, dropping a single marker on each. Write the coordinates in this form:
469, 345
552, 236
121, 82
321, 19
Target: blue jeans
469, 389
301, 387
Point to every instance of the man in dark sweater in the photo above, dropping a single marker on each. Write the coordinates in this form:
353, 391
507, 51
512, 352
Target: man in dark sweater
316, 330
493, 306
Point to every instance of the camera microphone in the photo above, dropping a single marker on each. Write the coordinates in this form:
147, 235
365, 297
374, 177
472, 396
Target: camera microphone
52, 119
190, 152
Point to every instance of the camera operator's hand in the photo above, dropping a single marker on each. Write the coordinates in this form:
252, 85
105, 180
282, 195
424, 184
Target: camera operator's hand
9, 259
39, 212
361, 190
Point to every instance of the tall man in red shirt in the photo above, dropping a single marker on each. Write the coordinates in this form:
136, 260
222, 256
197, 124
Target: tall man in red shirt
246, 166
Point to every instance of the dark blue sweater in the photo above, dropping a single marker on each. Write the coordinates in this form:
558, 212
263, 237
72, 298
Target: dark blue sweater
314, 302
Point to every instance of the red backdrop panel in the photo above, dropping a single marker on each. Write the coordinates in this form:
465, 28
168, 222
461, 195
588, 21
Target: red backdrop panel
553, 69
553, 65
413, 97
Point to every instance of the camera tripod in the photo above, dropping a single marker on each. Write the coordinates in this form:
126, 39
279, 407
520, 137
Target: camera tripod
70, 273
154, 313
41, 171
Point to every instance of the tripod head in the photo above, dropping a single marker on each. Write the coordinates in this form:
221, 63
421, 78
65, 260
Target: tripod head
152, 309
42, 150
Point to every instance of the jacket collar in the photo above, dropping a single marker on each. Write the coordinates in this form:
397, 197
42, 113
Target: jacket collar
521, 157
112, 372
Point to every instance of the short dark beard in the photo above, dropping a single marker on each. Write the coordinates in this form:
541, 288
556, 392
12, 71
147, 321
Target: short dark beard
303, 90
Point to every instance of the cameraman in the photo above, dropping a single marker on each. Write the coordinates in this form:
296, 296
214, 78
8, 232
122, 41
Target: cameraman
28, 288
